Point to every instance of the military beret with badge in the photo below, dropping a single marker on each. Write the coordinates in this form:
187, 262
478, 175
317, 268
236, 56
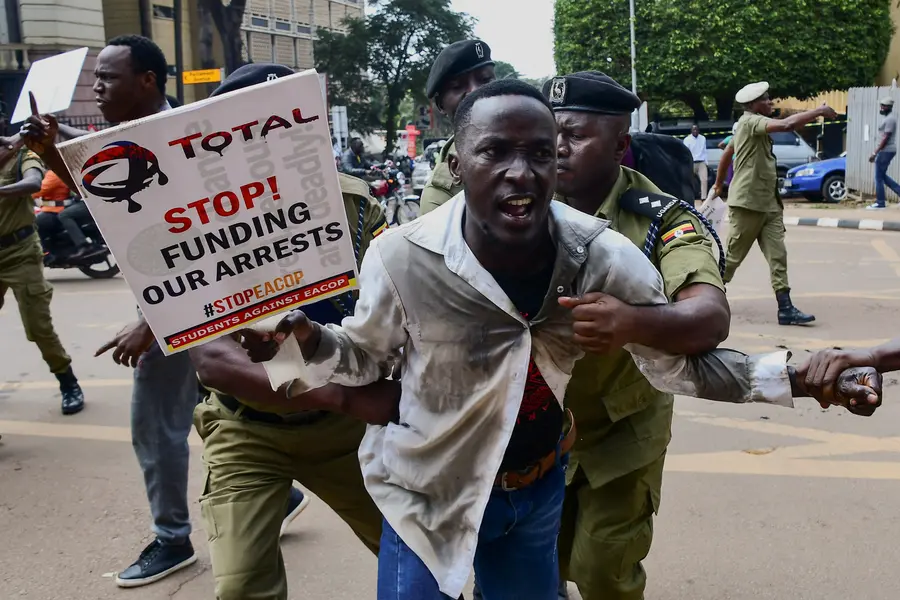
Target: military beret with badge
590, 91
456, 59
252, 74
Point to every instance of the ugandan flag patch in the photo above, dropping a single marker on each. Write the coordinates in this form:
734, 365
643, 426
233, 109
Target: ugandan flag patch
679, 230
379, 229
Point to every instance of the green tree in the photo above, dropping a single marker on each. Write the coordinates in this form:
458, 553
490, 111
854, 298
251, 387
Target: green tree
345, 59
688, 49
504, 70
228, 18
395, 45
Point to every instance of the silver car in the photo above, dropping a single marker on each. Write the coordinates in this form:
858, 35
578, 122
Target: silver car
789, 148
420, 175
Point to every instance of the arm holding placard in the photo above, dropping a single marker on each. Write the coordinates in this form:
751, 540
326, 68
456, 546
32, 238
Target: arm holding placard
39, 133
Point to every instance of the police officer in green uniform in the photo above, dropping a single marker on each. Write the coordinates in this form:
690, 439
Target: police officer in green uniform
460, 69
256, 442
22, 267
755, 210
624, 424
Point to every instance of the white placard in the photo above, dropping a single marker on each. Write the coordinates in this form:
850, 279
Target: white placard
222, 212
52, 80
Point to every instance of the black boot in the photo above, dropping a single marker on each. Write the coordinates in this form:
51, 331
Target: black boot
788, 314
72, 396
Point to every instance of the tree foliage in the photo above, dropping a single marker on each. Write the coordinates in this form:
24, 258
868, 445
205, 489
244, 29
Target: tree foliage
228, 18
345, 59
504, 70
688, 49
395, 45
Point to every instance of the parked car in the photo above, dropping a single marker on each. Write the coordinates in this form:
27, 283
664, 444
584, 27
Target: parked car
420, 175
789, 148
821, 180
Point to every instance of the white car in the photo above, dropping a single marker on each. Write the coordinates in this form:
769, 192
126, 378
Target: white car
420, 175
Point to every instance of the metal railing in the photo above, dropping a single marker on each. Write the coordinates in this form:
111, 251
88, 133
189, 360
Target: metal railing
18, 57
86, 122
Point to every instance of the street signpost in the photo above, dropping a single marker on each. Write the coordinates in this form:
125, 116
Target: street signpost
202, 76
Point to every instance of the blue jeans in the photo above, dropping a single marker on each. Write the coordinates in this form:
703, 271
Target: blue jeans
162, 413
882, 162
516, 557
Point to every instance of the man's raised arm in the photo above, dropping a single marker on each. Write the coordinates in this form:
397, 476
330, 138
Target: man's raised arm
798, 120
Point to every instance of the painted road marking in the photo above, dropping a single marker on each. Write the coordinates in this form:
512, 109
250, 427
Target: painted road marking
97, 433
888, 253
804, 460
891, 294
14, 386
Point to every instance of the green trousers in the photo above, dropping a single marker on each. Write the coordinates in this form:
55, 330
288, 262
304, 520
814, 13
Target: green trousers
250, 468
607, 531
765, 228
22, 271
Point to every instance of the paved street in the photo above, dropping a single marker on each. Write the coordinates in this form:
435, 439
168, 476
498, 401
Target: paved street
759, 503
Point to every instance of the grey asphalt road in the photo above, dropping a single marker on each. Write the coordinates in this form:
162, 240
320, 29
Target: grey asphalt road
759, 502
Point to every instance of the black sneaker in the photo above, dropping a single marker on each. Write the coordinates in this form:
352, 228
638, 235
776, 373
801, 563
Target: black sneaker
156, 562
72, 396
296, 504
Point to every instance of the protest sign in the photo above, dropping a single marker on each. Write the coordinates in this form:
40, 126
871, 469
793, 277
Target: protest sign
221, 212
52, 80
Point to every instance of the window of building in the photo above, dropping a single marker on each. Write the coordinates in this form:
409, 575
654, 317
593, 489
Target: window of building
283, 26
163, 12
259, 22
304, 29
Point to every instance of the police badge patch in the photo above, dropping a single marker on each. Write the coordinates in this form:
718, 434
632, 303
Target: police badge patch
558, 91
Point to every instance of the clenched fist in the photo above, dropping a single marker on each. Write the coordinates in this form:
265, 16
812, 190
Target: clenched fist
602, 323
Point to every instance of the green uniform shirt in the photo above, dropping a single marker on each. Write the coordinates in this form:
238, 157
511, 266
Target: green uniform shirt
18, 212
356, 194
623, 422
440, 187
755, 182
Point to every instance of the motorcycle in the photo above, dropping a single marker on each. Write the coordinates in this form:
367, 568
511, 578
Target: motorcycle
387, 188
58, 249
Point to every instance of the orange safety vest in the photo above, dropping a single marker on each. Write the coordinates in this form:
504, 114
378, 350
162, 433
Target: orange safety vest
55, 195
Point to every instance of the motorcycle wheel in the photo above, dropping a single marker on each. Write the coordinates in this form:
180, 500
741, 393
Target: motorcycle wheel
107, 269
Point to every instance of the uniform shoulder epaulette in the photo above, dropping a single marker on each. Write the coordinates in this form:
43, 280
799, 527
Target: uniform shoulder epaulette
647, 204
353, 185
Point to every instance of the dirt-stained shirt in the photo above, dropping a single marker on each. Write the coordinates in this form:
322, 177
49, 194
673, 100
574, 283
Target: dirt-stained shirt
464, 350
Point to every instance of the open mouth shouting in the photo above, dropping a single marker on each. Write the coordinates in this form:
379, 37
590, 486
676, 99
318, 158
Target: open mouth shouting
518, 207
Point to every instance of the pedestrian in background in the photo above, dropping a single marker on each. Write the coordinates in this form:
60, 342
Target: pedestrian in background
884, 153
696, 143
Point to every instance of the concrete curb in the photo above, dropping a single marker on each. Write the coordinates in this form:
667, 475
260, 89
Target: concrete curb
869, 224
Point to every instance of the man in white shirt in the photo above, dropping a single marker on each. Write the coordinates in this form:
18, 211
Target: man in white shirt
696, 143
479, 302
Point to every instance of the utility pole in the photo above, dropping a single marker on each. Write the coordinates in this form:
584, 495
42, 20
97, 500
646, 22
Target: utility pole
634, 115
179, 52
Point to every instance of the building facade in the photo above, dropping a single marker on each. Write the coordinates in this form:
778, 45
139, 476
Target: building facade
279, 31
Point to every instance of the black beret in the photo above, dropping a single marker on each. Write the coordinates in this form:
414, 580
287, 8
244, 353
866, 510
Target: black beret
251, 74
590, 91
456, 59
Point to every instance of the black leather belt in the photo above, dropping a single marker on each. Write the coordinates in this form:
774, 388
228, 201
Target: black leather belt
11, 239
251, 414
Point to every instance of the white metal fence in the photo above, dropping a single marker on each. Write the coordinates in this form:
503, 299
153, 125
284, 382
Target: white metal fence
863, 119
